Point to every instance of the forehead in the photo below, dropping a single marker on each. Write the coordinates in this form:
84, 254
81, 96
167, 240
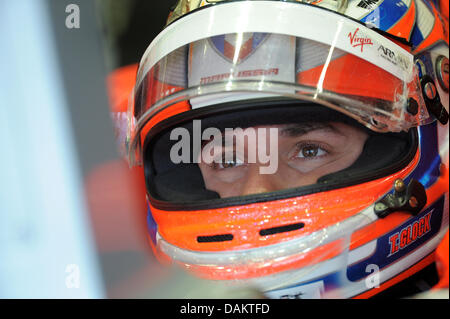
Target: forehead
294, 129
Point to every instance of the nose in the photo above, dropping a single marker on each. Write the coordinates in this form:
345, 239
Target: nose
257, 183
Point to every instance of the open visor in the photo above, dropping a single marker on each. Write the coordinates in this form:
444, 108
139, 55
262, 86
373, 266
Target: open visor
239, 51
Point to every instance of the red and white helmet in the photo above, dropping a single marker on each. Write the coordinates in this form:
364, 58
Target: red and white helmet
381, 66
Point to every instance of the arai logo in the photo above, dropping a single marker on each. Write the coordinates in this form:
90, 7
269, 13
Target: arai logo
394, 57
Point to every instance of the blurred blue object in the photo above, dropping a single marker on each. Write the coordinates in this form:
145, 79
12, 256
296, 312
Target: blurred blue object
47, 248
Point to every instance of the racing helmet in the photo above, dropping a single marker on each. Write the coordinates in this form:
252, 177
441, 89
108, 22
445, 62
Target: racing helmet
378, 67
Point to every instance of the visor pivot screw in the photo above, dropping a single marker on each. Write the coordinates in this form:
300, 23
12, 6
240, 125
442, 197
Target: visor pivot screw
413, 106
409, 198
432, 100
430, 90
413, 202
399, 185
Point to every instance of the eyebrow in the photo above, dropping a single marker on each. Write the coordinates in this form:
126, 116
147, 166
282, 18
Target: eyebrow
292, 130
224, 139
299, 129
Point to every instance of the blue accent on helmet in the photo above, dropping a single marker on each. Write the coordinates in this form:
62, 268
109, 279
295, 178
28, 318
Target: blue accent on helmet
416, 36
427, 171
387, 14
382, 257
152, 227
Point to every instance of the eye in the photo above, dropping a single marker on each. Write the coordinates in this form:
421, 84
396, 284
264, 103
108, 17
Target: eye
309, 151
228, 163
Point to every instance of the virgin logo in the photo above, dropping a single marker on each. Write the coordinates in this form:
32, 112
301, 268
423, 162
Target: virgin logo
357, 40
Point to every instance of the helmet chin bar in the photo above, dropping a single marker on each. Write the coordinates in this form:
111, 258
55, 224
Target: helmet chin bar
327, 258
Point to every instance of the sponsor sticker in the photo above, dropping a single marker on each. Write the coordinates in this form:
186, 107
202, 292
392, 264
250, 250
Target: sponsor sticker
309, 291
358, 39
410, 234
393, 57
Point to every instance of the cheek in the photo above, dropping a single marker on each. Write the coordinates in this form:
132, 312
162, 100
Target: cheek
224, 189
226, 183
289, 177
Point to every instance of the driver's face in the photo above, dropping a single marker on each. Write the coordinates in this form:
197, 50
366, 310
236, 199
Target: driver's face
306, 152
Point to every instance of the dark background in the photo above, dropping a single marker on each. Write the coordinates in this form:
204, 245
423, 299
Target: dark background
129, 26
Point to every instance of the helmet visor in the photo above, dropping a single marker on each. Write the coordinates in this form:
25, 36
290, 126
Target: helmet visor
322, 60
340, 64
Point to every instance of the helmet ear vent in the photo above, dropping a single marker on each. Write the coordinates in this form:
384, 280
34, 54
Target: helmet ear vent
281, 229
215, 238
